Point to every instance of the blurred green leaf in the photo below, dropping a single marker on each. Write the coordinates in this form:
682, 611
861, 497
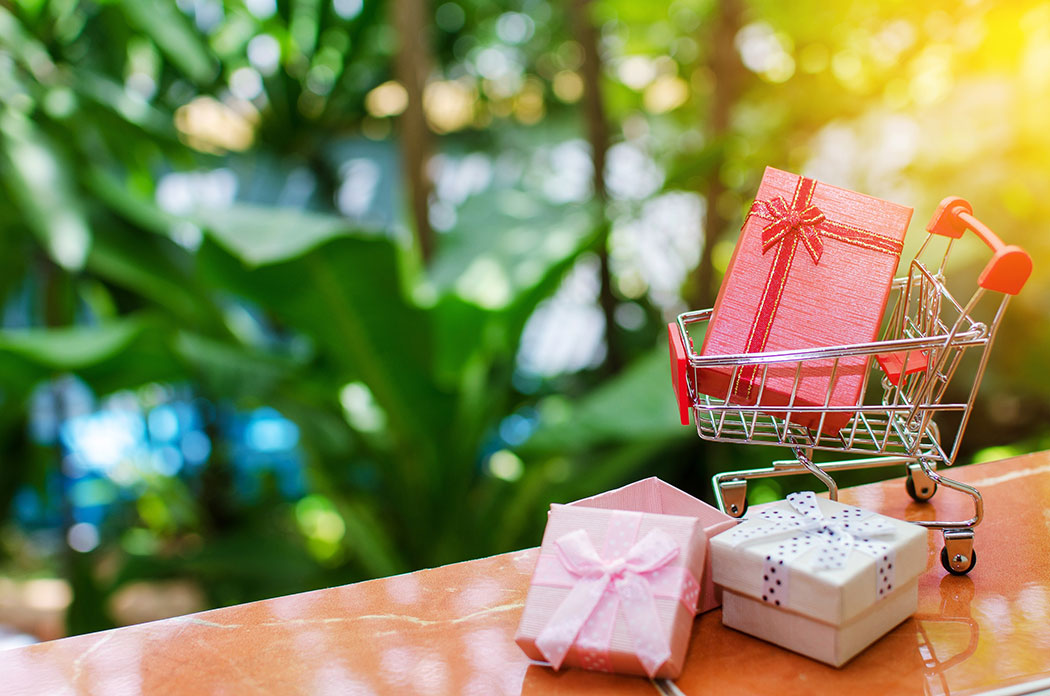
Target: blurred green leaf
157, 269
225, 368
341, 289
130, 107
71, 348
344, 291
16, 259
637, 405
133, 208
263, 235
507, 252
39, 178
369, 541
504, 242
162, 21
234, 566
20, 42
118, 354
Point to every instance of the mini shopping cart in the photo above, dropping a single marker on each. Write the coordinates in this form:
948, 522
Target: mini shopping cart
908, 372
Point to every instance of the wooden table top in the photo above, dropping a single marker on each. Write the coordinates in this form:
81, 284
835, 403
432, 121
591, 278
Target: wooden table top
450, 630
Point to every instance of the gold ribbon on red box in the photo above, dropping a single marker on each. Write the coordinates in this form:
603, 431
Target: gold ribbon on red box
799, 222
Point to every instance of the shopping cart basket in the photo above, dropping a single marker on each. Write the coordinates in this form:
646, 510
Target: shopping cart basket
927, 334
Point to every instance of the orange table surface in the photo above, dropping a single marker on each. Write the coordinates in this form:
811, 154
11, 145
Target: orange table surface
450, 630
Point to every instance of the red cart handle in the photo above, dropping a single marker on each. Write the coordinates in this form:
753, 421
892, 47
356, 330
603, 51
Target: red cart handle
679, 364
1010, 265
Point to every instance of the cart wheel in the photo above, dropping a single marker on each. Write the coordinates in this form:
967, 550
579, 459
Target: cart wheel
948, 566
925, 490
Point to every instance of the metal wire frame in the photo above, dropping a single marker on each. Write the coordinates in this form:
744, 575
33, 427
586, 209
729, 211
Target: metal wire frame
924, 317
892, 425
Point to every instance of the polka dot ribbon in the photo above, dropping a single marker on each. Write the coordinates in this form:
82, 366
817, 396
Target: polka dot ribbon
593, 576
834, 537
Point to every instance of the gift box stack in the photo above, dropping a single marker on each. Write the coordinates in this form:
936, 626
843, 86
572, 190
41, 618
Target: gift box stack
620, 576
619, 580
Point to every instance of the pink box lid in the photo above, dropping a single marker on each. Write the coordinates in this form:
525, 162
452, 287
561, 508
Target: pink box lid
654, 495
675, 589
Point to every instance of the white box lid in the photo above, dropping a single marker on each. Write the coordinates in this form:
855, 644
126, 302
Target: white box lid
771, 538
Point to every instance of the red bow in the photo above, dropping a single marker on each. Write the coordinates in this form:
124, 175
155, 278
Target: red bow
804, 223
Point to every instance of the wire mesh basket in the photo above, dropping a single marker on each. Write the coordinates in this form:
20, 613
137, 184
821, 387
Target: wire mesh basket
906, 379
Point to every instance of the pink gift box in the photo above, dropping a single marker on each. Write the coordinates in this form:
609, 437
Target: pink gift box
654, 495
584, 610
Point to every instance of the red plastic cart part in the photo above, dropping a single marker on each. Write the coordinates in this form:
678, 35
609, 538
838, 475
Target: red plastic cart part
1010, 265
679, 363
891, 363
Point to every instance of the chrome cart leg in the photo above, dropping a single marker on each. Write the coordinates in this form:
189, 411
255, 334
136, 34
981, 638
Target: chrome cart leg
919, 486
732, 496
730, 487
958, 555
825, 478
975, 495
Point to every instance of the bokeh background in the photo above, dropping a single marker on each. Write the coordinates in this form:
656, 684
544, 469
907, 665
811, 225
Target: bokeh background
297, 293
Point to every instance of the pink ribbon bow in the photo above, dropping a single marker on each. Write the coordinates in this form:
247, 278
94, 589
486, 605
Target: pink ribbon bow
594, 575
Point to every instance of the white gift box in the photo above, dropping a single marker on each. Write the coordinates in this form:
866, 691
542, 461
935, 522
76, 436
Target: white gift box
818, 577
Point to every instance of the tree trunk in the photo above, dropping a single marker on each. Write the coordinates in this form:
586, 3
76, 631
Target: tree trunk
727, 71
412, 65
598, 134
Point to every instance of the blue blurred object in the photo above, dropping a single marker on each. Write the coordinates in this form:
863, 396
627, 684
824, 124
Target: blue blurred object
263, 441
116, 450
516, 428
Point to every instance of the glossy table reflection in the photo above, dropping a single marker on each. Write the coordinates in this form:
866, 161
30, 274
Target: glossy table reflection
450, 630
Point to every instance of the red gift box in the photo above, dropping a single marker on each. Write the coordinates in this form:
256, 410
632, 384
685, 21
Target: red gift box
812, 268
